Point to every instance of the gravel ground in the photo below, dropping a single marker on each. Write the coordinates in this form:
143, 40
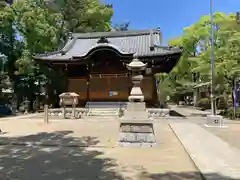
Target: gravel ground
167, 161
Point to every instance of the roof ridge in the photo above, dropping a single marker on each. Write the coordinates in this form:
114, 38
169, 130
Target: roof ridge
93, 35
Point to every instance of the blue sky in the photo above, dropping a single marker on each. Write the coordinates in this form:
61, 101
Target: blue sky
170, 15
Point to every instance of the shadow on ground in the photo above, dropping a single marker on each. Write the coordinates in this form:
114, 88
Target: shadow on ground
53, 138
184, 176
175, 113
69, 163
55, 163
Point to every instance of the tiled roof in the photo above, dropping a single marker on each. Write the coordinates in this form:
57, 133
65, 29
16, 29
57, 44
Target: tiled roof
140, 43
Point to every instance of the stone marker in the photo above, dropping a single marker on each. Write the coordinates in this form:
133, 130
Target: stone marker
136, 129
215, 121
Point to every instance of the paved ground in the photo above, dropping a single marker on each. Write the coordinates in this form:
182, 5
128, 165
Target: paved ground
102, 160
188, 111
230, 134
99, 158
213, 156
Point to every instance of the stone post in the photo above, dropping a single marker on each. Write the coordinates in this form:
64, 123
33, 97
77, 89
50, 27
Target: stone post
46, 113
74, 107
63, 111
14, 105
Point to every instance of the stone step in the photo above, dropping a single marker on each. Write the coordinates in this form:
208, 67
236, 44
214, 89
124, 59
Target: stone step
103, 112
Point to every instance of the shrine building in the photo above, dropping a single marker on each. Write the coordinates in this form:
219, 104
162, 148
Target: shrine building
95, 63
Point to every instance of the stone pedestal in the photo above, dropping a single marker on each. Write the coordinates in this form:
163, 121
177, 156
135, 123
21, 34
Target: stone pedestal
215, 121
137, 134
136, 129
136, 111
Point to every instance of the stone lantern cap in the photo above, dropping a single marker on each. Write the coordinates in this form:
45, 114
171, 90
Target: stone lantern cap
136, 64
68, 94
68, 98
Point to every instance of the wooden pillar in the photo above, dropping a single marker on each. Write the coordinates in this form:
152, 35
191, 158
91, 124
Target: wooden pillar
88, 84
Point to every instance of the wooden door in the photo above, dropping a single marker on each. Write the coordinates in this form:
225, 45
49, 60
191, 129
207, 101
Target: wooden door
113, 87
147, 86
79, 86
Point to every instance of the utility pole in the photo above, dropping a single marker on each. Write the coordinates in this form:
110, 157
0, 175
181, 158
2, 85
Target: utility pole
213, 101
236, 80
238, 17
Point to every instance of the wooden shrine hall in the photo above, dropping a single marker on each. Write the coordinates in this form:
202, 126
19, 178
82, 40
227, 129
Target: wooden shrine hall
95, 63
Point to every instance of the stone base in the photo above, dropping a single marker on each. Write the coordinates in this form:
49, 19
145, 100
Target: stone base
209, 126
136, 111
214, 121
139, 134
127, 144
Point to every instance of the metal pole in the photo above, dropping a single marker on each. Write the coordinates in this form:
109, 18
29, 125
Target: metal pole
213, 105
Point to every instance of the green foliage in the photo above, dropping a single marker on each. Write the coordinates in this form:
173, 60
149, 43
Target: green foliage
41, 27
230, 113
82, 15
195, 41
204, 103
38, 29
222, 103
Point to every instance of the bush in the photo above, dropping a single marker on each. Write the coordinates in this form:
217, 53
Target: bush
230, 113
221, 103
204, 103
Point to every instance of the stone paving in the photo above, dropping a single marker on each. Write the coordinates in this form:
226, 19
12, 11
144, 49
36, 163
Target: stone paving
229, 134
215, 158
188, 111
98, 158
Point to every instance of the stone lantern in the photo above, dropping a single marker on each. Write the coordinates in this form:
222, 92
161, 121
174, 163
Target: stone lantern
68, 99
136, 97
137, 67
136, 129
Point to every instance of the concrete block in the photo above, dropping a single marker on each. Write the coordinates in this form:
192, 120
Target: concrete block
215, 121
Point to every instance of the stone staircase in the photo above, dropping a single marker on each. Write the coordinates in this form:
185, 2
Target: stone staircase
103, 113
103, 109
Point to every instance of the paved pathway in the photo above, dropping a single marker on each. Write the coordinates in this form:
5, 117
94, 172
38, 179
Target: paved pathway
188, 111
229, 134
215, 158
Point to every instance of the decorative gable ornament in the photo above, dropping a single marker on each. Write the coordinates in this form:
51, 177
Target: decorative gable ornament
102, 40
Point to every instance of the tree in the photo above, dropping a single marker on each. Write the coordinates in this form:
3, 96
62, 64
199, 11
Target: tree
42, 26
80, 15
196, 44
